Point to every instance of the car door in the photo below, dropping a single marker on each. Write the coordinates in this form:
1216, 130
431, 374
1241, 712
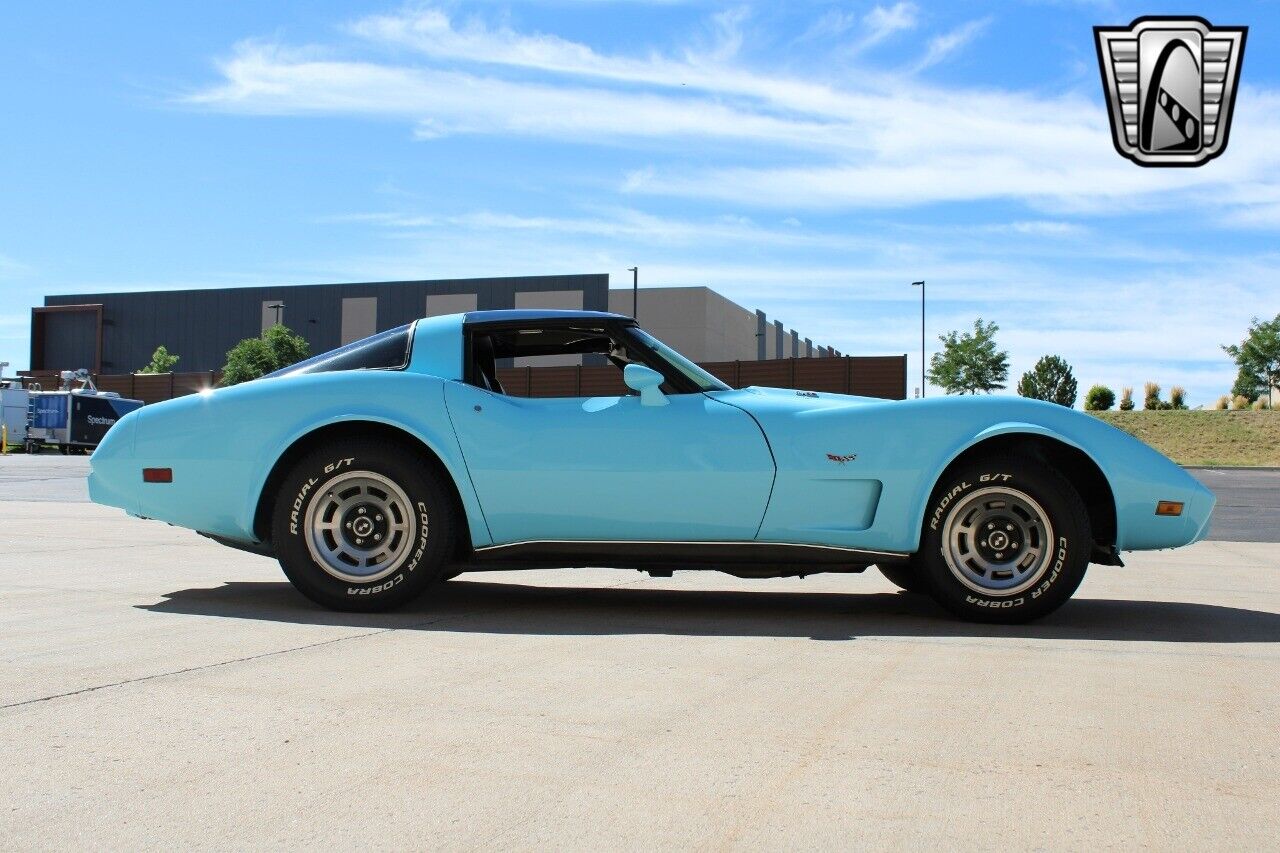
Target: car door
609, 468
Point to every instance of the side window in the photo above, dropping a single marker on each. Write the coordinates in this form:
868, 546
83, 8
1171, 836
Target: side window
549, 361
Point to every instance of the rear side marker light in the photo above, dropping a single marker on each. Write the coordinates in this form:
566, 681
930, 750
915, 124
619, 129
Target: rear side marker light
1169, 508
157, 475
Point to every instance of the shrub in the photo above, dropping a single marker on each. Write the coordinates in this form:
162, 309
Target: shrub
1151, 397
162, 361
1261, 404
1223, 402
1126, 399
1240, 402
1100, 398
1177, 397
1051, 379
278, 347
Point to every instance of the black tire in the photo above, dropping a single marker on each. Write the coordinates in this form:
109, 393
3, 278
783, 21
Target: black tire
1041, 564
328, 503
907, 577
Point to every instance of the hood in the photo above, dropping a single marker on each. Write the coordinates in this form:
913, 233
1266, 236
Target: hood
756, 397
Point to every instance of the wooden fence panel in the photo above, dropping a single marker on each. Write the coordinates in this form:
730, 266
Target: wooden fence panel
192, 383
605, 381
515, 380
823, 374
553, 382
776, 373
121, 383
152, 387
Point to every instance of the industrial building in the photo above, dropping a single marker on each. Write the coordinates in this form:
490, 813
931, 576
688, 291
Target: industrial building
116, 333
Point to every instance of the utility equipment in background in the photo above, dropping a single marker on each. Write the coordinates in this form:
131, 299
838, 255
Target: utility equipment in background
13, 408
73, 419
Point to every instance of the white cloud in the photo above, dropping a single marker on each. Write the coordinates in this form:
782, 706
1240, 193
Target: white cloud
872, 141
942, 46
877, 25
884, 21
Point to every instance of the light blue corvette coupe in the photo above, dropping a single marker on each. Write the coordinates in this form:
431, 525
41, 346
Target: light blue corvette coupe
376, 470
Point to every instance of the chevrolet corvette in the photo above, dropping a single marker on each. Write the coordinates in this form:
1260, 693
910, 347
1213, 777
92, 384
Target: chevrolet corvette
384, 467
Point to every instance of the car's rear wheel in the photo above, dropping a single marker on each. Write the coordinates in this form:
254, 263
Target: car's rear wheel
905, 576
1005, 540
362, 525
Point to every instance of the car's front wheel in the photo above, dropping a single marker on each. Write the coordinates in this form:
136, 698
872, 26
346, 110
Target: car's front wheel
362, 525
1004, 540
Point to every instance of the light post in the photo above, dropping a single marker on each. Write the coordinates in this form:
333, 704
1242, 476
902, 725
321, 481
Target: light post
635, 290
278, 307
920, 284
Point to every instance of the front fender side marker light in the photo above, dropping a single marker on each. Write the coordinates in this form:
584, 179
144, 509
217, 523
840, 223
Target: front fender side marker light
1169, 508
165, 475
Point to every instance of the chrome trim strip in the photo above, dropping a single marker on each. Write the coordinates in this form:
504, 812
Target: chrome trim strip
689, 542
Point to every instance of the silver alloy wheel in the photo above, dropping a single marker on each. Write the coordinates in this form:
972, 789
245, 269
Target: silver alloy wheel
998, 541
359, 527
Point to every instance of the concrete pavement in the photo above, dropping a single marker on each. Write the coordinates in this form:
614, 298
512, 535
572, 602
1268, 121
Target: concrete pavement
160, 690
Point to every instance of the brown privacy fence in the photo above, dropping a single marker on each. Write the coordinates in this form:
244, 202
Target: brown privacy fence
869, 376
147, 387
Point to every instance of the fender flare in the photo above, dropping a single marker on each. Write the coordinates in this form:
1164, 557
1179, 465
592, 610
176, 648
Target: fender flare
927, 484
438, 445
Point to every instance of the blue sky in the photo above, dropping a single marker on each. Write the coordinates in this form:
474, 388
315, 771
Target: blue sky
810, 159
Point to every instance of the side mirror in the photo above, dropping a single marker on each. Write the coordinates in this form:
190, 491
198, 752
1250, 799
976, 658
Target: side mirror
645, 380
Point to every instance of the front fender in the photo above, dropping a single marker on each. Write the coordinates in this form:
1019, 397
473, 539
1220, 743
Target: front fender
966, 443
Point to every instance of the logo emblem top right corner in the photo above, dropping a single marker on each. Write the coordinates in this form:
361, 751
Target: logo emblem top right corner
1170, 84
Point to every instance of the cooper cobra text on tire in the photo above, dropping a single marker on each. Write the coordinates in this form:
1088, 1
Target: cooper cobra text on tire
1004, 540
362, 525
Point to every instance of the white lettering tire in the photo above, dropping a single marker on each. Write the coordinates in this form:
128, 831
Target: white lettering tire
1004, 540
362, 525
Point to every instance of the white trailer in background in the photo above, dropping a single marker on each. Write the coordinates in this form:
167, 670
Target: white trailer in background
14, 401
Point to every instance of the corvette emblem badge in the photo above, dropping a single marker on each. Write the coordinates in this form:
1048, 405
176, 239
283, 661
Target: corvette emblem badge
1170, 85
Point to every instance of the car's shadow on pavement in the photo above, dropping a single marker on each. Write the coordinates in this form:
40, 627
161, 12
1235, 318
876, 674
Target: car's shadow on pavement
476, 606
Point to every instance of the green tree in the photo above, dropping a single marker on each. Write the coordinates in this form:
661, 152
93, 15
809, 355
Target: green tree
1100, 398
1258, 357
278, 347
287, 347
969, 363
1051, 379
1246, 386
161, 361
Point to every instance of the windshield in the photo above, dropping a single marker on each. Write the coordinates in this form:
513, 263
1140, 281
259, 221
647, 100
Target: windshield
699, 377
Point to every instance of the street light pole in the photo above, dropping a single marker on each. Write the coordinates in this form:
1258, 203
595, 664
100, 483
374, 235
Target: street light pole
278, 307
635, 290
920, 284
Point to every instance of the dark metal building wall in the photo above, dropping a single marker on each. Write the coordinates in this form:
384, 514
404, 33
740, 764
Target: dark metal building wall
201, 325
74, 336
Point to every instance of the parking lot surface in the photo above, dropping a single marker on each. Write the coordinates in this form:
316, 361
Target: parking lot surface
1248, 508
157, 689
